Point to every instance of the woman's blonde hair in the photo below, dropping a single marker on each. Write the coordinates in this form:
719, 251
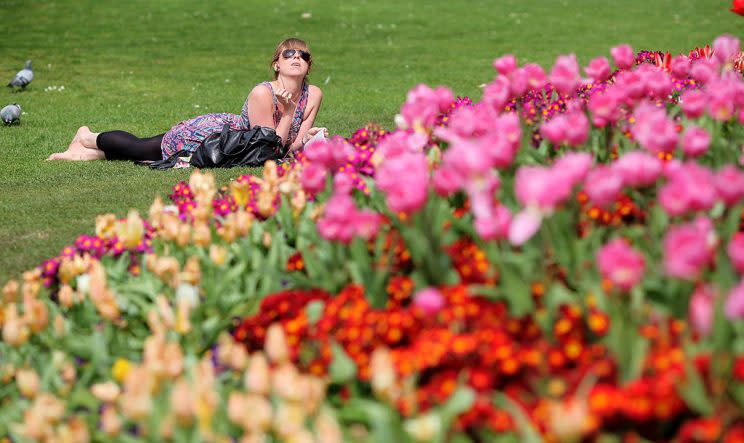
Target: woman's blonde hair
290, 43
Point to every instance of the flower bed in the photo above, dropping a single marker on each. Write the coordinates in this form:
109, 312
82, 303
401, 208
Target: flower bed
560, 261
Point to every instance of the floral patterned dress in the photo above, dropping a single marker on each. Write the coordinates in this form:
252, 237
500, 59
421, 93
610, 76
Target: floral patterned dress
188, 134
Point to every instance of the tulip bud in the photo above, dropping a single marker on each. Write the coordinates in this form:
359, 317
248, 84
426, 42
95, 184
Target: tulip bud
383, 374
68, 373
276, 344
156, 212
218, 254
106, 226
243, 223
59, 326
107, 392
424, 428
327, 428
238, 358
228, 230
36, 315
270, 173
289, 419
183, 320
298, 202
183, 403
28, 382
66, 296
191, 271
10, 291
111, 424
239, 191
74, 431
256, 378
201, 235
184, 235
131, 232
569, 420
265, 203
15, 331
267, 239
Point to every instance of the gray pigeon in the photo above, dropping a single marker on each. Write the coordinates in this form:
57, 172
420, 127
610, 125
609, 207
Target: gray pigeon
24, 77
11, 114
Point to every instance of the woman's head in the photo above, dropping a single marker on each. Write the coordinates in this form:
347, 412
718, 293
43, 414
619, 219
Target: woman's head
292, 56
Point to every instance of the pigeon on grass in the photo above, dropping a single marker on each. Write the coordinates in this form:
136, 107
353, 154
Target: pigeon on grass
23, 77
11, 114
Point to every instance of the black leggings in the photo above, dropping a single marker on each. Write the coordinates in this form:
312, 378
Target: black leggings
121, 145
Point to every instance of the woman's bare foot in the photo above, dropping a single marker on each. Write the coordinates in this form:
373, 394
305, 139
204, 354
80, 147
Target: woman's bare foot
82, 148
78, 155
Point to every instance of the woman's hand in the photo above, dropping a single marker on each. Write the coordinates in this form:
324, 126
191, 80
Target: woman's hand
312, 132
285, 98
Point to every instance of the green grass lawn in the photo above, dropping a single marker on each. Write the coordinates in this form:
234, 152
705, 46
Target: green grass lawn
143, 66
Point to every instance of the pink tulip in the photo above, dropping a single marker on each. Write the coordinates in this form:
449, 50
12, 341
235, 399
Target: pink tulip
573, 167
725, 48
598, 69
429, 300
621, 264
693, 103
735, 252
704, 70
605, 107
687, 250
404, 180
343, 183
540, 188
730, 184
603, 185
734, 307
631, 84
681, 66
624, 56
565, 74
518, 82
638, 168
499, 149
423, 104
467, 158
496, 226
653, 129
695, 141
497, 93
659, 83
535, 74
524, 226
691, 187
444, 98
702, 309
577, 131
554, 130
720, 102
319, 152
509, 126
506, 64
446, 181
366, 224
313, 178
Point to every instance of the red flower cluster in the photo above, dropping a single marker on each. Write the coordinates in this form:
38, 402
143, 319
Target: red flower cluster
623, 211
474, 340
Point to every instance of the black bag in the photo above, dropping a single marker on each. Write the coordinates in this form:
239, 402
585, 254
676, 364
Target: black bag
227, 149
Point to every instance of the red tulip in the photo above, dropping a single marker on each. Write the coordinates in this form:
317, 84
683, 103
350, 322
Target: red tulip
738, 7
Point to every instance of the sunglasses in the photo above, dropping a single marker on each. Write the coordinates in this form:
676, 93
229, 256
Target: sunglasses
288, 53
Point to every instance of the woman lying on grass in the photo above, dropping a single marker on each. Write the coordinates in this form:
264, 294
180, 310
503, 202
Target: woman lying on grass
287, 104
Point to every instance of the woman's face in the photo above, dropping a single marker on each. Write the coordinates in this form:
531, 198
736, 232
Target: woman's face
293, 62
